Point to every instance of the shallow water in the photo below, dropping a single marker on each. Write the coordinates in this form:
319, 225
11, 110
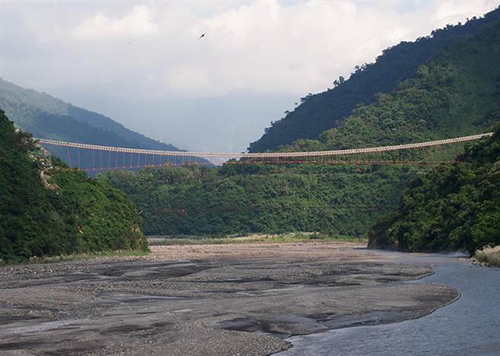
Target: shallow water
469, 326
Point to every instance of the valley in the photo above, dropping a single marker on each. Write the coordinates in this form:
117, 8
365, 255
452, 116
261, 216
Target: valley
366, 221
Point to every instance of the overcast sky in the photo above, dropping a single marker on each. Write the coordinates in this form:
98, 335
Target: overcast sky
143, 64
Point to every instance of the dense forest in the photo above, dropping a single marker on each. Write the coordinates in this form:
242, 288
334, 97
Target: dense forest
245, 198
451, 208
47, 117
320, 112
49, 209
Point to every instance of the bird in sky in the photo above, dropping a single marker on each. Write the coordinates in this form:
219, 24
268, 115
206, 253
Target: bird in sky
203, 35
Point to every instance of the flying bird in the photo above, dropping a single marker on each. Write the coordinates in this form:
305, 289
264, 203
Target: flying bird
203, 35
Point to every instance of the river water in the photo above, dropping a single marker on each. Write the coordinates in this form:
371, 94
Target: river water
469, 326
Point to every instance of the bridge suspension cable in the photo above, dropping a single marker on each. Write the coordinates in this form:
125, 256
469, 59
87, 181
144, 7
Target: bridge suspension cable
228, 155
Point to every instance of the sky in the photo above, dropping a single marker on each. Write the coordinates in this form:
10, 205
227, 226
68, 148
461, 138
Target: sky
144, 65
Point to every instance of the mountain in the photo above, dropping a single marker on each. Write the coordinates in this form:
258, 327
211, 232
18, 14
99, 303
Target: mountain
48, 117
455, 94
451, 208
329, 109
49, 209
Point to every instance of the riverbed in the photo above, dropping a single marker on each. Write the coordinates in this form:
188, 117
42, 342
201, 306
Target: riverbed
244, 299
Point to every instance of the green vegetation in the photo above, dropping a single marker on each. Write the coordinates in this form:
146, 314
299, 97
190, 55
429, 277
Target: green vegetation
323, 111
261, 198
488, 255
48, 209
451, 208
279, 238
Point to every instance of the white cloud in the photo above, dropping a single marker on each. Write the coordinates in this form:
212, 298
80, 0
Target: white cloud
267, 47
137, 23
260, 46
454, 11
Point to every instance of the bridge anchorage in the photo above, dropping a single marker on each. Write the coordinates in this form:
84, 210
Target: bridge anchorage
102, 158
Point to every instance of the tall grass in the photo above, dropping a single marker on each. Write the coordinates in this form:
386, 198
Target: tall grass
279, 238
489, 255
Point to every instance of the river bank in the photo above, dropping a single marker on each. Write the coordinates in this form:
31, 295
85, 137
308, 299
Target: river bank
469, 326
245, 299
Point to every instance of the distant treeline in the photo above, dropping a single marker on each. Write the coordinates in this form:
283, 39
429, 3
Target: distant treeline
239, 199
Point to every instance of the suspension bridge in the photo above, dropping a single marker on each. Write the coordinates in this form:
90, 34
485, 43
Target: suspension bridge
90, 157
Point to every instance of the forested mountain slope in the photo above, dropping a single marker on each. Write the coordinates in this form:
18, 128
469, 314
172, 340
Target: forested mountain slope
329, 109
451, 208
453, 95
48, 209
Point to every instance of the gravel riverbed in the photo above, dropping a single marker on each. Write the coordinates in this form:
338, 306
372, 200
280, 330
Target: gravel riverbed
242, 299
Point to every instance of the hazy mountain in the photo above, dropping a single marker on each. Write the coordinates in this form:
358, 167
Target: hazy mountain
48, 117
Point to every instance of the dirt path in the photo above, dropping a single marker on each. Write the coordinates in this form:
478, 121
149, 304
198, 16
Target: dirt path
242, 299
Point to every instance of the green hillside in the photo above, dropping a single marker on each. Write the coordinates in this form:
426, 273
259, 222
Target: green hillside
239, 198
47, 209
451, 208
455, 94
320, 112
48, 117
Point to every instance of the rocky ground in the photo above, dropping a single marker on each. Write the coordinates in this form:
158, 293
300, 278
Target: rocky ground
243, 299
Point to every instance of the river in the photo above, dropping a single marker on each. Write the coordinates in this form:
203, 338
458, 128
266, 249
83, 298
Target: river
469, 326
